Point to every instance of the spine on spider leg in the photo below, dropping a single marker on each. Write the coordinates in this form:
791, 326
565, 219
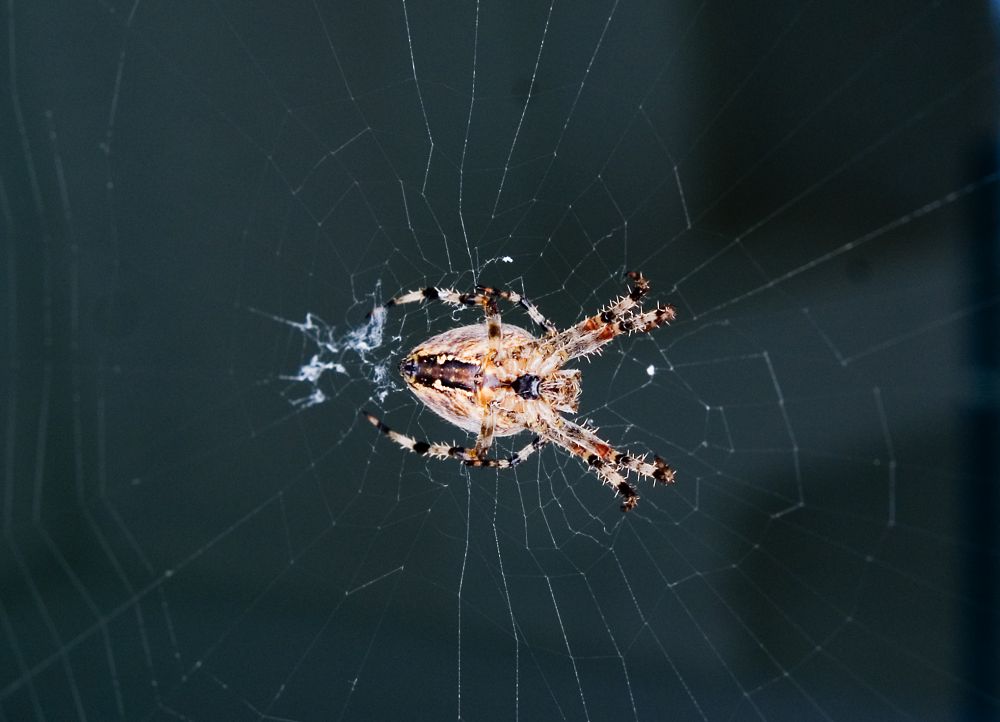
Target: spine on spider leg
646, 322
660, 471
641, 285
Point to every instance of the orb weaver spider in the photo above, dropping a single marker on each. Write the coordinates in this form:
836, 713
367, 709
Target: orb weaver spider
497, 379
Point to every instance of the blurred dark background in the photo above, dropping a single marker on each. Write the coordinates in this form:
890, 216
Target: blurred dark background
813, 184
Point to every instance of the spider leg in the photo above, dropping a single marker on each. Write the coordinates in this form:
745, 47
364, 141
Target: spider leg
606, 462
494, 330
514, 459
592, 333
494, 333
659, 471
617, 308
485, 438
648, 320
446, 295
439, 451
517, 299
482, 296
630, 497
607, 472
466, 455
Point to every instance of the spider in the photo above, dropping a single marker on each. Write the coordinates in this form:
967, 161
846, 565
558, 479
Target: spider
497, 380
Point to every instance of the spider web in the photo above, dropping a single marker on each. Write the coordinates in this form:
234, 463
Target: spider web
206, 200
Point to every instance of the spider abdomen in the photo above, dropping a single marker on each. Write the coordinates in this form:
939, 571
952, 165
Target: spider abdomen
454, 375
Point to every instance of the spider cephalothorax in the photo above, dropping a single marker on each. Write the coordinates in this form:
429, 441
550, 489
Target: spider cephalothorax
497, 380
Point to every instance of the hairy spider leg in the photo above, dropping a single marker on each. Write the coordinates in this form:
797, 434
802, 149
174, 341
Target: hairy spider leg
481, 297
514, 459
660, 471
445, 295
605, 460
445, 451
591, 334
517, 299
588, 343
485, 438
607, 472
494, 334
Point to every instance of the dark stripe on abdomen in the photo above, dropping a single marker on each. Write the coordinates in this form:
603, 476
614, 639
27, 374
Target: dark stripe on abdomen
425, 370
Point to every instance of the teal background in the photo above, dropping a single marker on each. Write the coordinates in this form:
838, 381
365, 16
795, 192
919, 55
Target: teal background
811, 183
